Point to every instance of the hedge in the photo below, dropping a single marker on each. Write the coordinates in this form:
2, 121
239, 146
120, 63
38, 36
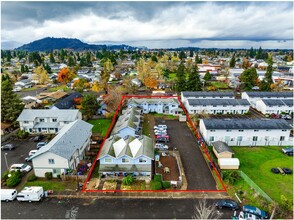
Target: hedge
155, 185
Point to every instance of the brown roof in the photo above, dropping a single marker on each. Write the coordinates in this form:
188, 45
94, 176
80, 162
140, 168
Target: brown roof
5, 125
58, 94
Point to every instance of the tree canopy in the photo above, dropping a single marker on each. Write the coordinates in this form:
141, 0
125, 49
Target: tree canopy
89, 105
249, 78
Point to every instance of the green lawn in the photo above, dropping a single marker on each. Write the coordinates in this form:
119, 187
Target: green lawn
100, 125
257, 162
220, 85
63, 87
53, 185
29, 89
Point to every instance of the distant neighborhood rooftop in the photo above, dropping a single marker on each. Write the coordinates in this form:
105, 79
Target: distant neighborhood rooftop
270, 94
208, 94
223, 102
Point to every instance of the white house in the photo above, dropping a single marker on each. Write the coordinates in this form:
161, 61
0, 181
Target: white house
128, 123
46, 121
217, 106
252, 97
129, 155
64, 150
25, 83
156, 105
246, 132
276, 106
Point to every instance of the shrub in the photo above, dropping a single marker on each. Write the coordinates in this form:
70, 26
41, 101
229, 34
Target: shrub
58, 176
32, 178
5, 175
231, 176
128, 180
48, 175
155, 185
286, 203
21, 134
166, 184
14, 180
157, 178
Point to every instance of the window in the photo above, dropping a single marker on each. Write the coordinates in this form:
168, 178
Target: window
254, 138
173, 105
268, 130
256, 130
227, 138
266, 138
214, 105
142, 160
26, 122
42, 119
51, 161
212, 130
241, 130
229, 130
54, 171
282, 138
239, 138
125, 160
284, 130
108, 160
211, 138
54, 119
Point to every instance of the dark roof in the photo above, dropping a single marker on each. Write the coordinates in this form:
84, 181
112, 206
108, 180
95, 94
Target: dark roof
244, 124
195, 102
278, 102
270, 94
208, 94
221, 147
67, 102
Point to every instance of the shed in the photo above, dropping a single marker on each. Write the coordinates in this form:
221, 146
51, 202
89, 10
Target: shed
229, 163
222, 150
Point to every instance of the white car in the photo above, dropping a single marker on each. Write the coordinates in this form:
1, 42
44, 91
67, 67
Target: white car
161, 146
160, 132
41, 144
16, 89
21, 167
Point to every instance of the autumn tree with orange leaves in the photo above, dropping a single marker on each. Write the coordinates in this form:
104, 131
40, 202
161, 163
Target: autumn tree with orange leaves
65, 75
151, 82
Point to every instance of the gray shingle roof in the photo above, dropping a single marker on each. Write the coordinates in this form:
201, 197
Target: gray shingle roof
221, 147
196, 102
278, 102
270, 94
208, 94
244, 124
153, 100
61, 115
70, 138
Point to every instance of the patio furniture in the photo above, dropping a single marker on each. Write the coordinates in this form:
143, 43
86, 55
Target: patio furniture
166, 170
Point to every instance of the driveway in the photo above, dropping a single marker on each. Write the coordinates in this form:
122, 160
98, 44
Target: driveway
196, 169
18, 155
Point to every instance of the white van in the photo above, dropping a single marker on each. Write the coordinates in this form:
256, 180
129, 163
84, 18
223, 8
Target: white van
33, 193
8, 194
21, 167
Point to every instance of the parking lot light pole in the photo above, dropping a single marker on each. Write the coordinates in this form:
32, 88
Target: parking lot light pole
6, 160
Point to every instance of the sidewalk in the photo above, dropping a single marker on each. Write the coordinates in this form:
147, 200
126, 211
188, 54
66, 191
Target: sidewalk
141, 195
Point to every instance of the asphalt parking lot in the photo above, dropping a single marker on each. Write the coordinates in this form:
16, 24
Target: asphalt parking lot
112, 208
196, 169
18, 155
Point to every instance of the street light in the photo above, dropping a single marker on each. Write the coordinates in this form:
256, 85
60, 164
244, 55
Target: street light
6, 160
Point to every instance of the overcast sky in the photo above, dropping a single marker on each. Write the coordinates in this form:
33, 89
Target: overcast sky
151, 24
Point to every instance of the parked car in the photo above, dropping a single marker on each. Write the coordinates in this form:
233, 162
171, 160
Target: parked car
31, 153
41, 144
21, 167
161, 139
161, 146
275, 170
38, 138
287, 170
288, 151
160, 133
227, 203
7, 147
288, 117
255, 211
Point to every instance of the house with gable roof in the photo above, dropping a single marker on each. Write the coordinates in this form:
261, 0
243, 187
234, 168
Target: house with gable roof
156, 105
64, 151
128, 155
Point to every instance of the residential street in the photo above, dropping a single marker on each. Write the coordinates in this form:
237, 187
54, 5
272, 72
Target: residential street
103, 209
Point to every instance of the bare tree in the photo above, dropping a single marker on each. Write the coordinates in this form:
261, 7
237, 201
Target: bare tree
204, 211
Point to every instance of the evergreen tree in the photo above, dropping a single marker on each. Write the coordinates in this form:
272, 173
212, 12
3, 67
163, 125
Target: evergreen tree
181, 78
182, 55
26, 69
233, 61
259, 54
194, 82
22, 68
207, 76
47, 68
252, 53
89, 105
71, 61
51, 57
11, 105
154, 58
191, 53
249, 78
265, 84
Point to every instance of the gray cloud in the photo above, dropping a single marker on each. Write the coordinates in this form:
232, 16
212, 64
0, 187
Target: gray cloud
148, 21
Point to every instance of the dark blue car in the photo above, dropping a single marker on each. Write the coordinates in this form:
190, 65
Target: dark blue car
227, 204
256, 211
